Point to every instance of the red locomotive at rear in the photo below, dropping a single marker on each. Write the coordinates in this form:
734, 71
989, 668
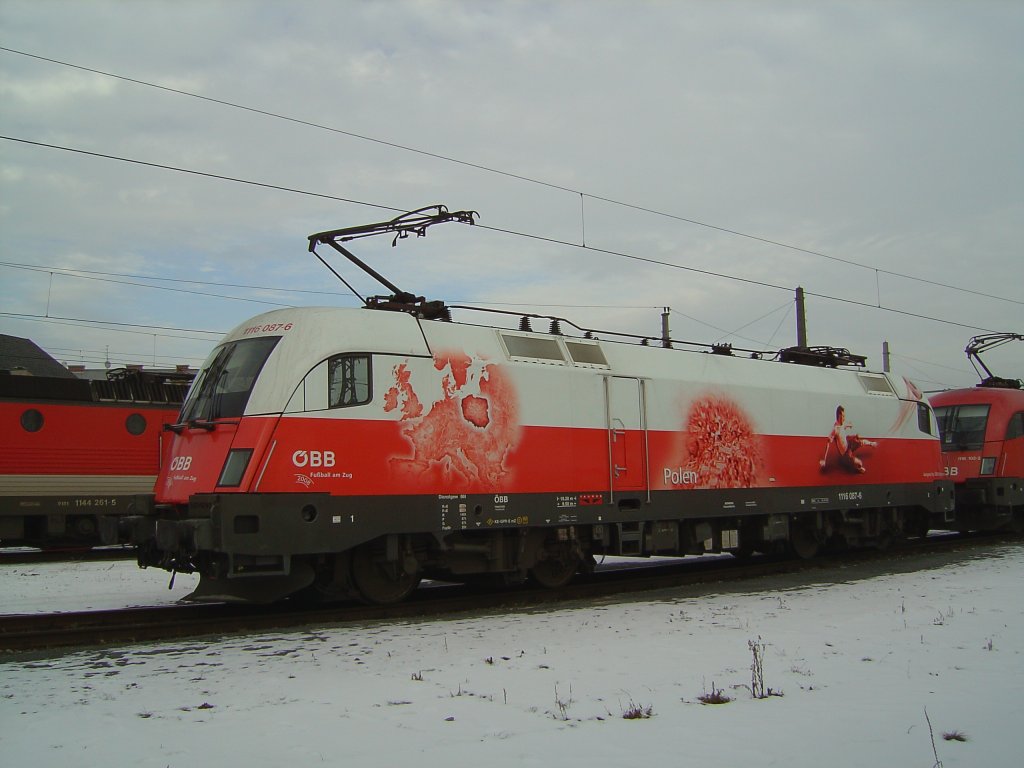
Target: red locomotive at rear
78, 452
983, 443
983, 446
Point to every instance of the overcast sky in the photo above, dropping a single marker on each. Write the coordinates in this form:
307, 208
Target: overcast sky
862, 139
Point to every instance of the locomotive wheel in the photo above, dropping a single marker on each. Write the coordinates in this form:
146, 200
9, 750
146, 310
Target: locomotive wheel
378, 580
333, 582
555, 572
885, 540
743, 552
803, 542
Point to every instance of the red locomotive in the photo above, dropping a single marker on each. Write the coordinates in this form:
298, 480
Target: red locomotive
75, 450
983, 444
350, 452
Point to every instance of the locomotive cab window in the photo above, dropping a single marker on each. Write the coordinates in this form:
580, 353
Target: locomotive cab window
962, 427
340, 381
223, 389
349, 380
1015, 428
924, 419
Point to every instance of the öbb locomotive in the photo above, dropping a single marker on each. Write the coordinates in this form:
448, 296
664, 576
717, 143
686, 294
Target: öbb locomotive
982, 432
75, 451
351, 452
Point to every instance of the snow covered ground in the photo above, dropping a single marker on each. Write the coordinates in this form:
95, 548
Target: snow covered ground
857, 661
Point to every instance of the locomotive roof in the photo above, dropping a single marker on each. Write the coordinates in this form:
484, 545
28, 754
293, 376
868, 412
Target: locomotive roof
1008, 400
371, 319
310, 334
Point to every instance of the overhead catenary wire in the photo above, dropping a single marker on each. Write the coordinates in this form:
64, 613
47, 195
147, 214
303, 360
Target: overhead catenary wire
130, 328
727, 334
116, 353
788, 307
72, 272
134, 276
489, 169
90, 356
296, 120
541, 238
83, 353
926, 362
922, 377
145, 285
778, 327
735, 278
110, 325
202, 173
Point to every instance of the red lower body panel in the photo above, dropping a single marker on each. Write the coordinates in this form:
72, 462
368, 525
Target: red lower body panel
348, 457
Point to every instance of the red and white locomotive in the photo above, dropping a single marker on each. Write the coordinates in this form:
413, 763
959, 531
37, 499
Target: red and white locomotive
350, 452
983, 444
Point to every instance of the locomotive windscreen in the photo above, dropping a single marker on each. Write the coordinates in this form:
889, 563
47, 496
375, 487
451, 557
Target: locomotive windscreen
224, 387
962, 426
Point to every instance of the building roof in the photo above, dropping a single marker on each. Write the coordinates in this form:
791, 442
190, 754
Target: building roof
25, 355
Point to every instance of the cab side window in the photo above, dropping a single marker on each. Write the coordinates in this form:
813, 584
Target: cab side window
924, 419
349, 380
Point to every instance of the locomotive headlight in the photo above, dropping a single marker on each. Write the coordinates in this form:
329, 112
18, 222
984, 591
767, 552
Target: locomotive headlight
988, 465
234, 467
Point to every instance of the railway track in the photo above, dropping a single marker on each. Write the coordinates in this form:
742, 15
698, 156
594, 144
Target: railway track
23, 556
44, 632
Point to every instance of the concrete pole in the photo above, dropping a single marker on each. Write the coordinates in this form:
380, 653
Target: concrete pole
801, 318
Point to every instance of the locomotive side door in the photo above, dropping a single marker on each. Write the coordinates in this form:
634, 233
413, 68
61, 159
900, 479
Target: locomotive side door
627, 433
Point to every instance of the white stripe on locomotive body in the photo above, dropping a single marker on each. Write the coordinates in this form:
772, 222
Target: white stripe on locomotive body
779, 399
75, 485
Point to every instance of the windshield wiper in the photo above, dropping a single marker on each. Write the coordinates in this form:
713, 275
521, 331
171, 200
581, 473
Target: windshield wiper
180, 427
205, 424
